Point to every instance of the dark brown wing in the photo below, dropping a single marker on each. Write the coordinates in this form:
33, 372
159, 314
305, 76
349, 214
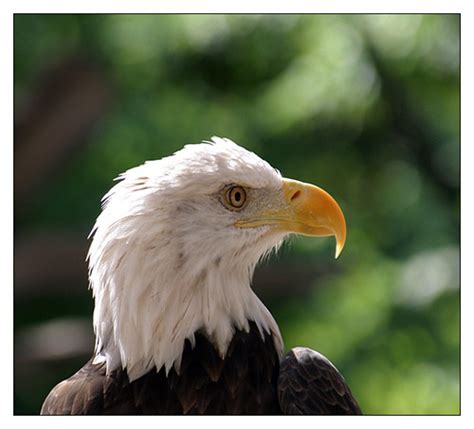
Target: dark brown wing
90, 391
310, 384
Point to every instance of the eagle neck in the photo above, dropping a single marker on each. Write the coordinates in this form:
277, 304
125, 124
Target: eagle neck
144, 325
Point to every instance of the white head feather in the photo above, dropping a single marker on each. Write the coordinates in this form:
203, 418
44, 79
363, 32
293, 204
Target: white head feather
167, 261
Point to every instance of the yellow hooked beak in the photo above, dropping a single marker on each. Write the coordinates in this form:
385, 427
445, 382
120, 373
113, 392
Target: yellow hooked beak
306, 210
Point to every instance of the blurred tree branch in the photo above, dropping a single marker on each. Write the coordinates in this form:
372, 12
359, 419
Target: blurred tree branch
406, 119
68, 101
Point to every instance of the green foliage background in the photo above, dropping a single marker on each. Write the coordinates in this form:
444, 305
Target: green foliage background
365, 106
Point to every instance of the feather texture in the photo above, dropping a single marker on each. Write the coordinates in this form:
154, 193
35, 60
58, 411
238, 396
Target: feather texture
250, 380
309, 383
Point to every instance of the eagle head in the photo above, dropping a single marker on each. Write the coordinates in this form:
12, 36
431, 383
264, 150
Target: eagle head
176, 244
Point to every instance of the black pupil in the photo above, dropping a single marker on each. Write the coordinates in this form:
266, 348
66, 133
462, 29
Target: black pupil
237, 196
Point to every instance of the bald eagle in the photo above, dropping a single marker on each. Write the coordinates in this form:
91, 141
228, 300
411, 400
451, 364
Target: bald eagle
178, 327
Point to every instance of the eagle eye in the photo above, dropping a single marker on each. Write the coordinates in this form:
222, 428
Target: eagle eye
235, 196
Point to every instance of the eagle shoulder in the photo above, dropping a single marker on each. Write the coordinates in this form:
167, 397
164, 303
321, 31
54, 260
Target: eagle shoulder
88, 391
309, 383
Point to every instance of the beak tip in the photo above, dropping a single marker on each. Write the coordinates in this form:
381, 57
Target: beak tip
339, 247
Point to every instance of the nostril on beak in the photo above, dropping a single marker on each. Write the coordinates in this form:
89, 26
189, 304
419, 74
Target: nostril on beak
295, 195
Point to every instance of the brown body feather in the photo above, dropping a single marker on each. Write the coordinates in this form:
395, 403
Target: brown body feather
247, 381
